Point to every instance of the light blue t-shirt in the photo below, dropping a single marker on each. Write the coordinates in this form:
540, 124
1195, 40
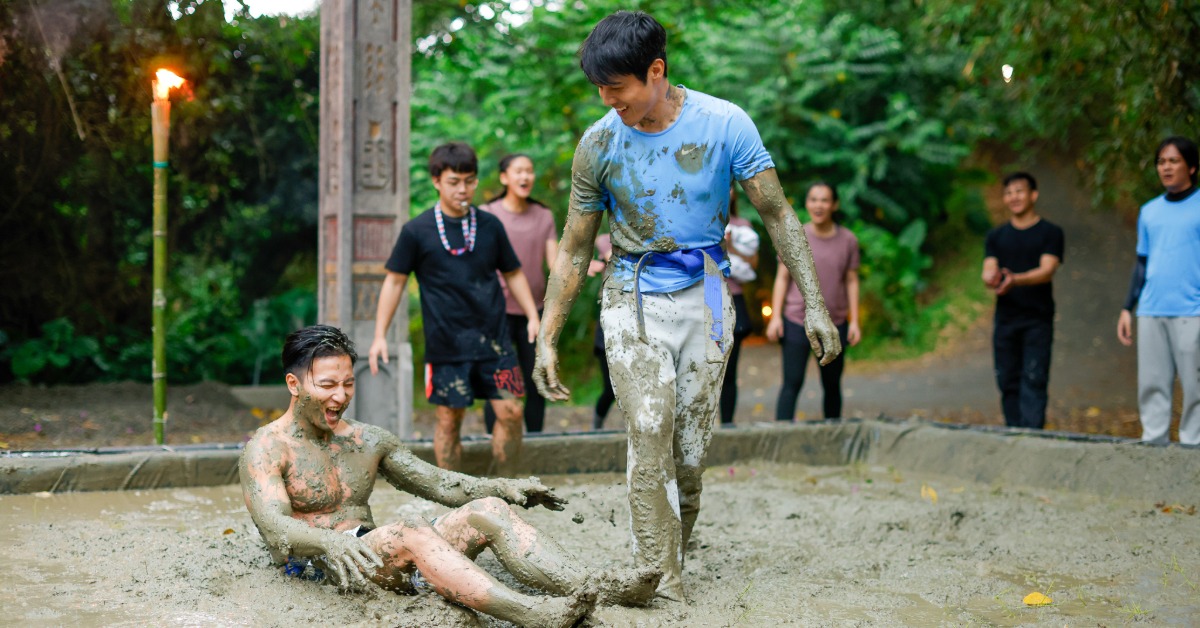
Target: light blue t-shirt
1169, 237
666, 191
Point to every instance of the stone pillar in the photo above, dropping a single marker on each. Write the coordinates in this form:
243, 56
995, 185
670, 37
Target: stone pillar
366, 84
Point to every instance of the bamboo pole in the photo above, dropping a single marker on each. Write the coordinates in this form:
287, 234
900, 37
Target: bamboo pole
160, 126
160, 121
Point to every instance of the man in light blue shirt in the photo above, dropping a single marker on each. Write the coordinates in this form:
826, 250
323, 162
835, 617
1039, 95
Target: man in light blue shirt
660, 164
1165, 290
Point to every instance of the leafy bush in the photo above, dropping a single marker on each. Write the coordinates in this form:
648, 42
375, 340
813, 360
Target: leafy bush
58, 356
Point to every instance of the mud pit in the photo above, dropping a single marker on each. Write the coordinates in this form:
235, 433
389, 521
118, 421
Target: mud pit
776, 543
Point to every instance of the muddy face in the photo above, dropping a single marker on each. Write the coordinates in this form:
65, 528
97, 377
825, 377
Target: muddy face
325, 393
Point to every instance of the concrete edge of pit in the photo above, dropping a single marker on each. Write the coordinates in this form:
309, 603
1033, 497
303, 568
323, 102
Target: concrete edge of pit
1014, 458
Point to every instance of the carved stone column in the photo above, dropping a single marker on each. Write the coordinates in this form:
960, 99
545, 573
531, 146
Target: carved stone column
366, 84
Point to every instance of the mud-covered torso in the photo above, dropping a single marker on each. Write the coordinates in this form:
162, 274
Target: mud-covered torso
329, 483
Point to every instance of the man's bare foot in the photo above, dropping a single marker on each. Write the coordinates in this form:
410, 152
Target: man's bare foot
563, 612
627, 587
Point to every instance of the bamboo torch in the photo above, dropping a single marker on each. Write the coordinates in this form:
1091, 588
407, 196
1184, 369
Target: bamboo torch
160, 123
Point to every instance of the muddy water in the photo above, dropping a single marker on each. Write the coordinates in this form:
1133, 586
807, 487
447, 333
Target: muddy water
774, 544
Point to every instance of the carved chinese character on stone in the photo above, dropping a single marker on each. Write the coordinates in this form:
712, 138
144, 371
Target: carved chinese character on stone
376, 159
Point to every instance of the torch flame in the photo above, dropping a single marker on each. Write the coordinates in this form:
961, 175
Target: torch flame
166, 81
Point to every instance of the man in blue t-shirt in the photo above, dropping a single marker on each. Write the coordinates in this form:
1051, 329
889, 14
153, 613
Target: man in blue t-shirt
1165, 290
660, 165
1020, 258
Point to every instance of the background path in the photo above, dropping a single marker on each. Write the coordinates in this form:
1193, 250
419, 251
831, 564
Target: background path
1092, 377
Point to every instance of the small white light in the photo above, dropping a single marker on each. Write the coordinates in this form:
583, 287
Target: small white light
1007, 71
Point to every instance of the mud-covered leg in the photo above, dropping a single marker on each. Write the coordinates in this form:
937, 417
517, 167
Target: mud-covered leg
536, 559
507, 436
458, 579
643, 376
447, 437
702, 364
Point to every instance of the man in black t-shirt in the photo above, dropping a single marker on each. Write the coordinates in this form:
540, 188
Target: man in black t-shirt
455, 251
1020, 258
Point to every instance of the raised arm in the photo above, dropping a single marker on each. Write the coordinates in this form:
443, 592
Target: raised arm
265, 493
766, 194
406, 472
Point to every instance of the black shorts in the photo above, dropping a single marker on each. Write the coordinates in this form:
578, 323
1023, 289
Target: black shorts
459, 384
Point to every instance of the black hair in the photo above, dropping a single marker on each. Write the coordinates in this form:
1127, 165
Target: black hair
1020, 176
818, 184
455, 156
317, 341
624, 43
1186, 148
505, 162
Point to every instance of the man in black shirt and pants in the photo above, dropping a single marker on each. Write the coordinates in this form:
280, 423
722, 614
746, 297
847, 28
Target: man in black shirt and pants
455, 250
1020, 258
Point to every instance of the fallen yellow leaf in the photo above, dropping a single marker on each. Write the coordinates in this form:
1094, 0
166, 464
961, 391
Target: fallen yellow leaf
1092, 412
258, 413
228, 531
1037, 599
927, 492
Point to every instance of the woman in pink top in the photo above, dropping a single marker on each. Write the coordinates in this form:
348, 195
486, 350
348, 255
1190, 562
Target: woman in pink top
835, 256
534, 237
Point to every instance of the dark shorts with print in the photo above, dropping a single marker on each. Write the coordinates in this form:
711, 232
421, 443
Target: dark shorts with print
459, 384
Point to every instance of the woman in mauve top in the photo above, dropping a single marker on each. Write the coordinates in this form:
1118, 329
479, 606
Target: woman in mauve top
835, 256
534, 237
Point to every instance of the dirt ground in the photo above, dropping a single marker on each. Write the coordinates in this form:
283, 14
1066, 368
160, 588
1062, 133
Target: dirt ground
776, 544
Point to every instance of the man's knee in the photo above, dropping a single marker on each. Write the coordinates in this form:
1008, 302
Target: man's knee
507, 410
690, 483
451, 421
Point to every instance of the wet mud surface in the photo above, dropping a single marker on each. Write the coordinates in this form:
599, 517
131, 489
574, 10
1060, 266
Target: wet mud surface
774, 544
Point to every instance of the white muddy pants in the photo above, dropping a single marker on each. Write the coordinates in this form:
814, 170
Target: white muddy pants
668, 386
1168, 346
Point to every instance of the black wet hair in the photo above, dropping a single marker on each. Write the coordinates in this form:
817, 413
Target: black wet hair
505, 162
1020, 176
455, 156
317, 341
1186, 148
624, 43
819, 184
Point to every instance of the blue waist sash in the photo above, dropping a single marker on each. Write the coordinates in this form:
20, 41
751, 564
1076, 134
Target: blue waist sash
693, 262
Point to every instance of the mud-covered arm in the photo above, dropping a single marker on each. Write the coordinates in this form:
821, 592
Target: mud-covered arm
567, 274
265, 492
406, 472
766, 194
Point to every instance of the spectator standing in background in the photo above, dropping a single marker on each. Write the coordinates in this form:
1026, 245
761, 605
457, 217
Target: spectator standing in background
835, 256
534, 237
1165, 291
1020, 258
455, 252
741, 242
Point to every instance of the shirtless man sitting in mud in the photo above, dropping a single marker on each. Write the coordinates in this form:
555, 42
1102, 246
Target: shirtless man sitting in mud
307, 478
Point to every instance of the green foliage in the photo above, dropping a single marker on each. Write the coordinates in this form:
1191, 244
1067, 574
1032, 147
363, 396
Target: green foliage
1101, 81
59, 355
834, 96
75, 192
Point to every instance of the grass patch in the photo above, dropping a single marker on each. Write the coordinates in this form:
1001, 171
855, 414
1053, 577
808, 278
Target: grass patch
954, 301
